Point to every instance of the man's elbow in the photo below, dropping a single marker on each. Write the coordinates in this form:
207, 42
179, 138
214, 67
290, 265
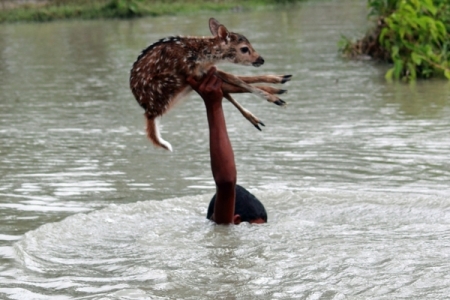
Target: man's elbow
226, 182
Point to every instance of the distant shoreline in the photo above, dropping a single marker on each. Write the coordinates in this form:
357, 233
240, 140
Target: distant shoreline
50, 10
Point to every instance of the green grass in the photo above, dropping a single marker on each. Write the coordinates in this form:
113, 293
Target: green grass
85, 9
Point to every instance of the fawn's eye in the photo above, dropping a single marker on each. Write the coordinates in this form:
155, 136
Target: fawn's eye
244, 49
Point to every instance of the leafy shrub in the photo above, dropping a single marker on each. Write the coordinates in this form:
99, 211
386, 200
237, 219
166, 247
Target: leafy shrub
411, 34
124, 8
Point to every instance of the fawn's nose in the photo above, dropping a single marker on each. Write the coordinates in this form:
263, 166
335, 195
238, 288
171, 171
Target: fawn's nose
259, 61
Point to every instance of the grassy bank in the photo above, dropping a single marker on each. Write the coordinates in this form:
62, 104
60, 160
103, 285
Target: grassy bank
49, 10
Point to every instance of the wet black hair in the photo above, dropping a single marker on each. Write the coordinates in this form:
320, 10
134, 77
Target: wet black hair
246, 205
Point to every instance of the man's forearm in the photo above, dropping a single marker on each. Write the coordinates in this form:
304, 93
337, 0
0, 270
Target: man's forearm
222, 164
222, 158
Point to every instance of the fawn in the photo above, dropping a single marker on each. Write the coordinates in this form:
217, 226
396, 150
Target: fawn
158, 76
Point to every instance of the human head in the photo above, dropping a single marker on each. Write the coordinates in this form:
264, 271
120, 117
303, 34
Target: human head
247, 207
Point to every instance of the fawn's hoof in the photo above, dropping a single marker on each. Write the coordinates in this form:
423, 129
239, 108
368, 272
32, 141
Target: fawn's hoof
286, 78
280, 102
279, 92
260, 123
257, 127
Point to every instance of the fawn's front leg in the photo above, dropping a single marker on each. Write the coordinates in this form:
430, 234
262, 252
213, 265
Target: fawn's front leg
260, 79
265, 78
234, 80
233, 89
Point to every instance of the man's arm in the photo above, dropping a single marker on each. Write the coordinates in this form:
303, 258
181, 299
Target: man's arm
222, 157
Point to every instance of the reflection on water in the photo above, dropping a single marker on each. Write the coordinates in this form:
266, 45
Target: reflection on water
418, 99
354, 172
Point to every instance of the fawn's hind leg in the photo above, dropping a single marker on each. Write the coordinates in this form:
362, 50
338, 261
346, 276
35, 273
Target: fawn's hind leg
246, 113
233, 80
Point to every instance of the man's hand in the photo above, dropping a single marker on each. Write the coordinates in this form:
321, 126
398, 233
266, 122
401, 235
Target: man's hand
209, 87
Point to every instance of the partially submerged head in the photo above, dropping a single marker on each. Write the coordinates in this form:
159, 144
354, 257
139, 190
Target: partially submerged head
238, 48
247, 208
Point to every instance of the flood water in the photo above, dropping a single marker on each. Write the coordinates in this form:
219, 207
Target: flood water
354, 172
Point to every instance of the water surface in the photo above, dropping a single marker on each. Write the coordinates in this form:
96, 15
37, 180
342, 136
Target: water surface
354, 171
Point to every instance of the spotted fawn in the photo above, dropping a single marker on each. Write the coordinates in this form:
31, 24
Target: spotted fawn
158, 76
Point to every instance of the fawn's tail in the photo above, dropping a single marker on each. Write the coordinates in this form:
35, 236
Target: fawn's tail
155, 137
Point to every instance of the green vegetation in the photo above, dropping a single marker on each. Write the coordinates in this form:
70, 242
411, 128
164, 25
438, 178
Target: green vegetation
89, 9
413, 35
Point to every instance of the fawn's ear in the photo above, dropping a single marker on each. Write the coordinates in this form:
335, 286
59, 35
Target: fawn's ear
214, 26
223, 33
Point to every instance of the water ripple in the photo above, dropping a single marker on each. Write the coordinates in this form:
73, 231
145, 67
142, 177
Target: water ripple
320, 243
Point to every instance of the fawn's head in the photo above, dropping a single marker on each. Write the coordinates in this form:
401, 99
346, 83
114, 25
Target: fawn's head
236, 48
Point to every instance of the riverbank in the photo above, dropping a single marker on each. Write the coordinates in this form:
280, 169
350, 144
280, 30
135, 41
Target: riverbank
43, 11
